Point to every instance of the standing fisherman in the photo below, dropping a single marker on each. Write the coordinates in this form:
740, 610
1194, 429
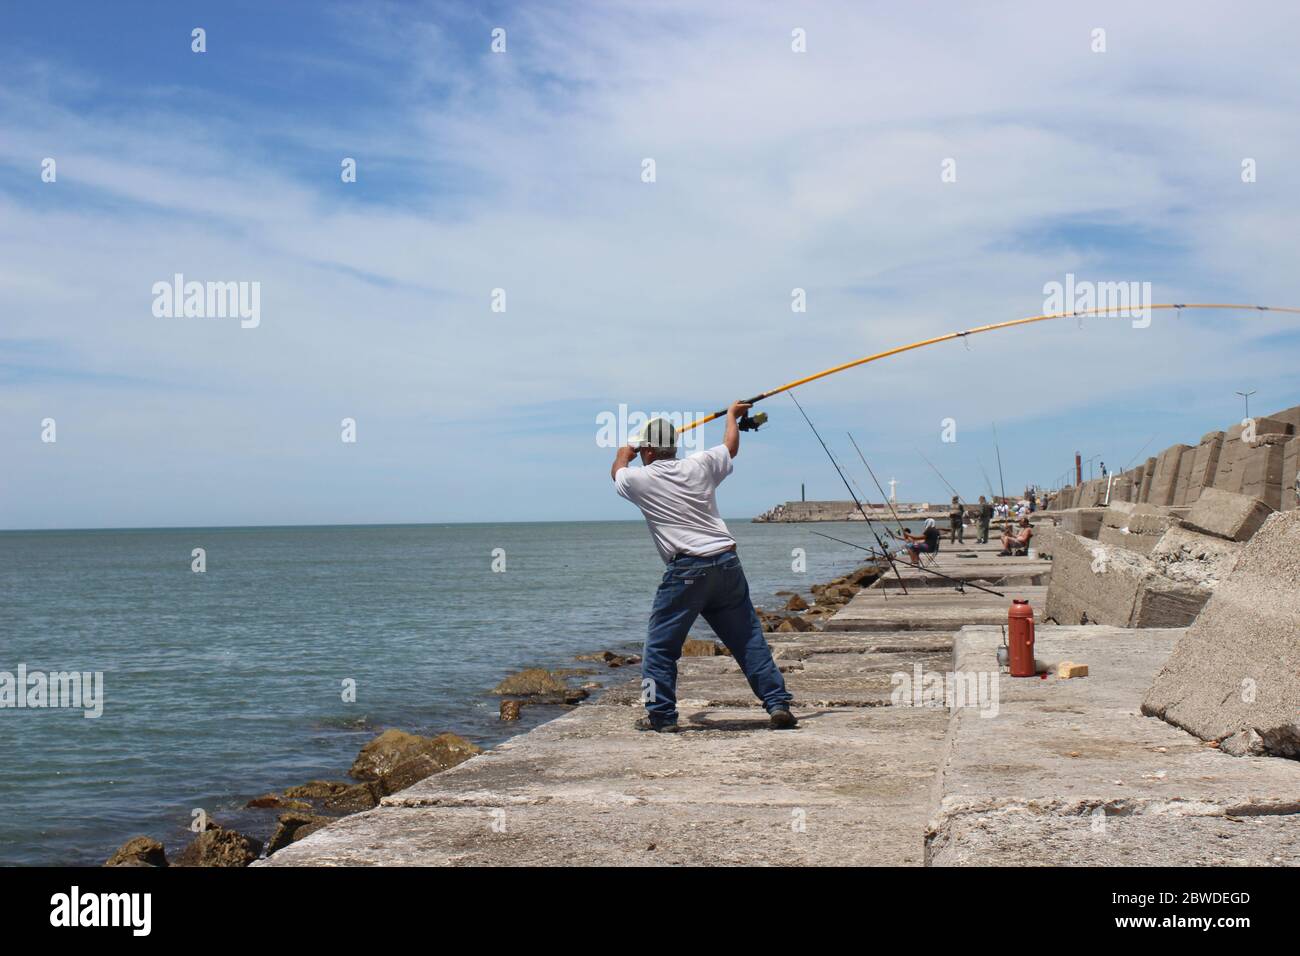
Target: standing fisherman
985, 517
703, 576
956, 518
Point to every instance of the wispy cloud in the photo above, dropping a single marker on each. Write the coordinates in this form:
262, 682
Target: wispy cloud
521, 171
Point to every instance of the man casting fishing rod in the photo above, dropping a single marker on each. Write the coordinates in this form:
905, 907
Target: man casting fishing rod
703, 574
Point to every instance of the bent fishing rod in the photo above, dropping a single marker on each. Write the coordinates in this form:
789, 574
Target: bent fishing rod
961, 585
748, 423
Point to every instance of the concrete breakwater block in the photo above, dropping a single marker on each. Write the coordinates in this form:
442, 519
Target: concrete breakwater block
1136, 527
1198, 558
1096, 584
1082, 521
1235, 676
1227, 515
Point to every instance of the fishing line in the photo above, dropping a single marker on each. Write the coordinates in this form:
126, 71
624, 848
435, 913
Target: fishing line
838, 469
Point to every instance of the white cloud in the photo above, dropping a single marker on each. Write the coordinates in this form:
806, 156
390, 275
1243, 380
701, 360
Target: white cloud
776, 170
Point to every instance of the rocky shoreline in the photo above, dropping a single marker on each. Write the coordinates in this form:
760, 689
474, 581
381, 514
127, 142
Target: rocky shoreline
388, 763
395, 759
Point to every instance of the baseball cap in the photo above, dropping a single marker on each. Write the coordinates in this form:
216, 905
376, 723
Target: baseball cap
656, 433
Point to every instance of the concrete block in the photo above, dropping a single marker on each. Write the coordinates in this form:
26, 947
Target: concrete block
1290, 417
1227, 515
1290, 467
1095, 584
1137, 527
1164, 484
1188, 555
1082, 521
1204, 465
1148, 473
1261, 468
1233, 458
1234, 674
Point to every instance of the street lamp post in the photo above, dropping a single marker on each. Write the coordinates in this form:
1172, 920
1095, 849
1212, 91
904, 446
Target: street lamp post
1246, 396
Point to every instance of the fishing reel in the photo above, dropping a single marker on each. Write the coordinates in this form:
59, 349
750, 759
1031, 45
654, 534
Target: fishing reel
751, 423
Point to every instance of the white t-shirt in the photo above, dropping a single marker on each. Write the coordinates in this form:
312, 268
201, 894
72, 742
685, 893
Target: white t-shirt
677, 498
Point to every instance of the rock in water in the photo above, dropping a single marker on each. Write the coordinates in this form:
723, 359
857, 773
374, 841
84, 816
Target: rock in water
791, 624
510, 710
611, 659
274, 801
292, 827
316, 789
140, 851
358, 797
796, 603
217, 846
531, 682
397, 759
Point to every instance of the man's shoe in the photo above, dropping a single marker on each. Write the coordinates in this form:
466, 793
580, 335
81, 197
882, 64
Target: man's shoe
645, 723
782, 719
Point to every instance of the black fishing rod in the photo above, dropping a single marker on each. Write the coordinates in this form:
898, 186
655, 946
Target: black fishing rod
961, 585
1001, 481
840, 471
880, 489
1139, 452
987, 480
955, 493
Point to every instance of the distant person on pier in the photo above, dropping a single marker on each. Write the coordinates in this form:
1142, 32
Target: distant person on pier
1017, 542
956, 515
915, 545
985, 518
703, 574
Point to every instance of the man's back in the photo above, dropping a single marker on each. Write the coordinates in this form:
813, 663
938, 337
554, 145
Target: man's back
678, 499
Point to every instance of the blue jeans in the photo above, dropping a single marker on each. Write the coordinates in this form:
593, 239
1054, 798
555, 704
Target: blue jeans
716, 588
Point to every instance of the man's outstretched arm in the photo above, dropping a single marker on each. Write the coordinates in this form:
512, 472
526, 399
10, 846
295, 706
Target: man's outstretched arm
622, 458
731, 438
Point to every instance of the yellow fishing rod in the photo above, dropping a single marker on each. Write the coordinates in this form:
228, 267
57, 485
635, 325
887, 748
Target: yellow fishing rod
751, 424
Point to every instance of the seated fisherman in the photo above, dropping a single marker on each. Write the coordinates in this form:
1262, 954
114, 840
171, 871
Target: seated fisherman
927, 542
1018, 541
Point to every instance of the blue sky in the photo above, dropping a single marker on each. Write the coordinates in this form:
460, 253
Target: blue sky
522, 170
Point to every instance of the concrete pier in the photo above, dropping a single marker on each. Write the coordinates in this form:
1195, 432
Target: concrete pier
1049, 771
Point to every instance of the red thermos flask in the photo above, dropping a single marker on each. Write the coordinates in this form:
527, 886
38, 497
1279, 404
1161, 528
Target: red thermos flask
1020, 639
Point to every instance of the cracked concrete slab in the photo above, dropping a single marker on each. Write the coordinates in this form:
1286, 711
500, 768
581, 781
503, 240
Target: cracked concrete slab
1021, 837
722, 756
593, 835
928, 609
1064, 748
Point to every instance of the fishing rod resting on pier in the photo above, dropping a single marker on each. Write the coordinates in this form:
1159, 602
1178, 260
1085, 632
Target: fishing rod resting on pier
961, 585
